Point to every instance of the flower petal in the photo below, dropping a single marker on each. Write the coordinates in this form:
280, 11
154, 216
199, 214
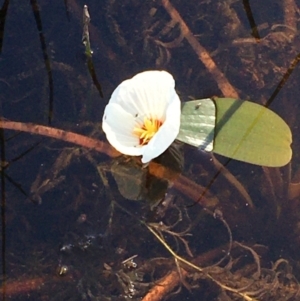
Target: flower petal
147, 94
166, 134
118, 126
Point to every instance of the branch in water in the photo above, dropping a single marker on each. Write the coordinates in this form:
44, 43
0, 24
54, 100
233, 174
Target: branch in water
227, 89
67, 136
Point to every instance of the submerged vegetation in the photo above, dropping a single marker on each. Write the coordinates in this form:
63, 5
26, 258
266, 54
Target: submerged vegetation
88, 224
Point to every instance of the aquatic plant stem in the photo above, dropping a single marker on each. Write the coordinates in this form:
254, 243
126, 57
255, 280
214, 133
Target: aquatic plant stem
227, 89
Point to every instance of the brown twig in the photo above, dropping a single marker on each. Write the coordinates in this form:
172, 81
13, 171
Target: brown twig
294, 186
227, 89
231, 179
289, 9
22, 286
165, 286
170, 281
67, 136
186, 186
25, 285
183, 184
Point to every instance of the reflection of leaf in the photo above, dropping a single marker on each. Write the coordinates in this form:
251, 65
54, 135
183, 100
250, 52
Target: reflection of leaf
156, 190
172, 158
130, 178
135, 183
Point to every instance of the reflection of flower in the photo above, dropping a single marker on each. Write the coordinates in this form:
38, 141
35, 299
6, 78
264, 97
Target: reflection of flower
142, 117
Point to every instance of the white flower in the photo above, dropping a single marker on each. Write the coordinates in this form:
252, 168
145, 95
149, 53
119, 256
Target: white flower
142, 117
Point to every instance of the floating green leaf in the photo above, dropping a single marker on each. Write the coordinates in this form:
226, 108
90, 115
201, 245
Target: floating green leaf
251, 133
240, 130
197, 123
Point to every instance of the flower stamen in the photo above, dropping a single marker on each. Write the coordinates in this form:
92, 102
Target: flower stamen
148, 130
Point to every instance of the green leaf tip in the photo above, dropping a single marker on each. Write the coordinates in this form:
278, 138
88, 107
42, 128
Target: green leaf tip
251, 133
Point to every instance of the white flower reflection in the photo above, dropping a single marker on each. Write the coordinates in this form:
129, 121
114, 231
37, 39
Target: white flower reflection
142, 117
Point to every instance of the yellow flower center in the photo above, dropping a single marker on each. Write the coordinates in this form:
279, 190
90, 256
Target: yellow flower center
148, 130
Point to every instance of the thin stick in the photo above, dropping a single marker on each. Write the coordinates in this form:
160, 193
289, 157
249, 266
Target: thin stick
71, 137
22, 286
236, 184
227, 89
289, 9
164, 286
185, 185
181, 183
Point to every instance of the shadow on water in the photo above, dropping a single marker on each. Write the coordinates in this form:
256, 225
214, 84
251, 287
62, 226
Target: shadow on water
78, 225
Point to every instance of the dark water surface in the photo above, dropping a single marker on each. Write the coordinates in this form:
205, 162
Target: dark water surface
64, 236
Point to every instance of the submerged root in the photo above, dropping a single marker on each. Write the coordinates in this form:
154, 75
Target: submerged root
235, 280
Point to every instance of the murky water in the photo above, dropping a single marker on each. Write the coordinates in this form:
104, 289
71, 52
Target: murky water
72, 218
